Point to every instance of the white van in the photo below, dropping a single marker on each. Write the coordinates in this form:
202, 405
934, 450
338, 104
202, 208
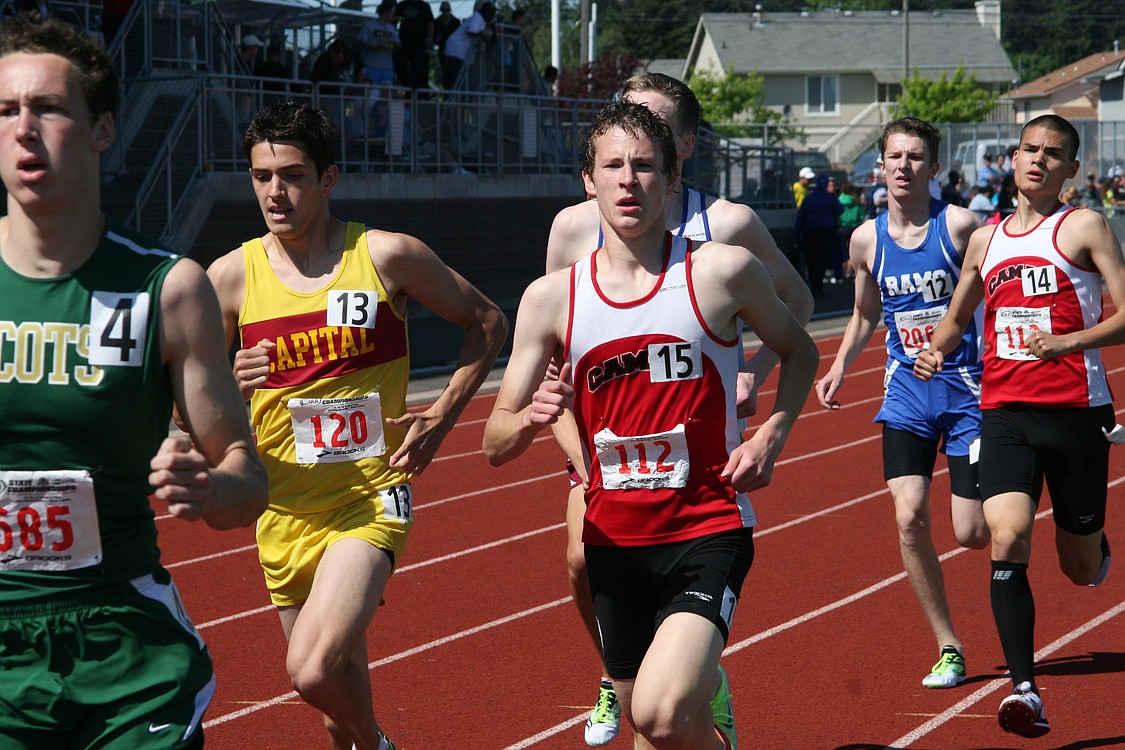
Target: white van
969, 155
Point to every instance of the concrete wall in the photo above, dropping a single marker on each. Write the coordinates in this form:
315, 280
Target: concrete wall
491, 228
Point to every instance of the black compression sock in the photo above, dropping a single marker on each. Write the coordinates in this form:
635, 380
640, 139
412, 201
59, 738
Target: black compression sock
1013, 608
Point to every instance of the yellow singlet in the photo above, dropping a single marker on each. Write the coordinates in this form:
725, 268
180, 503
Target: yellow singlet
339, 370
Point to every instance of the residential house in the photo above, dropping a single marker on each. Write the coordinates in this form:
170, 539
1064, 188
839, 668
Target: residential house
835, 73
1071, 91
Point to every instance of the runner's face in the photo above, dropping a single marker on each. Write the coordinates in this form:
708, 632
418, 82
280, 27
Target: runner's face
290, 194
906, 166
628, 182
661, 106
48, 146
1042, 164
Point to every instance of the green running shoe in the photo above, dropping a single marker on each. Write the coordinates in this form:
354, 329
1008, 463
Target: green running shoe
605, 720
949, 670
722, 709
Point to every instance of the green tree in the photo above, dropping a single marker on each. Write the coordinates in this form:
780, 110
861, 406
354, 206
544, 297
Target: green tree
1044, 35
956, 99
730, 99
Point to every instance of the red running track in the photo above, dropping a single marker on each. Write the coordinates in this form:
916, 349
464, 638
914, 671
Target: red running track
479, 647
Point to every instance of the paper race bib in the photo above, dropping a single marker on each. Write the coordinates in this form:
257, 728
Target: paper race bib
332, 430
118, 326
48, 521
1014, 326
916, 328
352, 307
1038, 280
398, 502
643, 462
675, 360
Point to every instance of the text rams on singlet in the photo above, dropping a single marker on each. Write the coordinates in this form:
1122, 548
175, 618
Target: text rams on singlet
1030, 285
655, 406
340, 369
915, 285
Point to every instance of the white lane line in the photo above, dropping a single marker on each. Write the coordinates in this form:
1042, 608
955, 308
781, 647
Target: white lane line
992, 686
395, 657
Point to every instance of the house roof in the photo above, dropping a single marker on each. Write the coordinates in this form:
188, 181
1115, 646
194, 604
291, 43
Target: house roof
1069, 75
848, 42
670, 66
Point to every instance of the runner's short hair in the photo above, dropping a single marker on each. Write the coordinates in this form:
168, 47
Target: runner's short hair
299, 125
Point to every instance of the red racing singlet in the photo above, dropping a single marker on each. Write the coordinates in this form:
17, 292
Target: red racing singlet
655, 406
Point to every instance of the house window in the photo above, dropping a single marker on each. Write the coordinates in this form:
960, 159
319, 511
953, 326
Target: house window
821, 95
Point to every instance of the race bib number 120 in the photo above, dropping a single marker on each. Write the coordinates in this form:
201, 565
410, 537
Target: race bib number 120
332, 430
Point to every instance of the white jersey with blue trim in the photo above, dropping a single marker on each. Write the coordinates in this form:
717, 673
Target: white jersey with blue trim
915, 286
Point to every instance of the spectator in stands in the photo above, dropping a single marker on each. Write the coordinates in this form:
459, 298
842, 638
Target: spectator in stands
416, 33
1005, 198
248, 51
272, 67
1091, 193
335, 64
951, 193
444, 26
477, 26
551, 78
877, 194
987, 174
980, 201
379, 39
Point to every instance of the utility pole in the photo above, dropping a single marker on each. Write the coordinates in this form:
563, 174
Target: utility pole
584, 33
905, 42
556, 52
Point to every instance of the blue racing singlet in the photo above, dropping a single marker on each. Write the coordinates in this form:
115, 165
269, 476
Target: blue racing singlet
915, 285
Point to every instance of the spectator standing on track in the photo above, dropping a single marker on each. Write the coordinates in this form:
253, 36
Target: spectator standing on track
906, 265
113, 332
683, 527
318, 308
576, 232
1048, 411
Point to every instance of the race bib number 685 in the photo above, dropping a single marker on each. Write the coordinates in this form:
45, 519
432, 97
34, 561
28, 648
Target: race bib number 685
48, 521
